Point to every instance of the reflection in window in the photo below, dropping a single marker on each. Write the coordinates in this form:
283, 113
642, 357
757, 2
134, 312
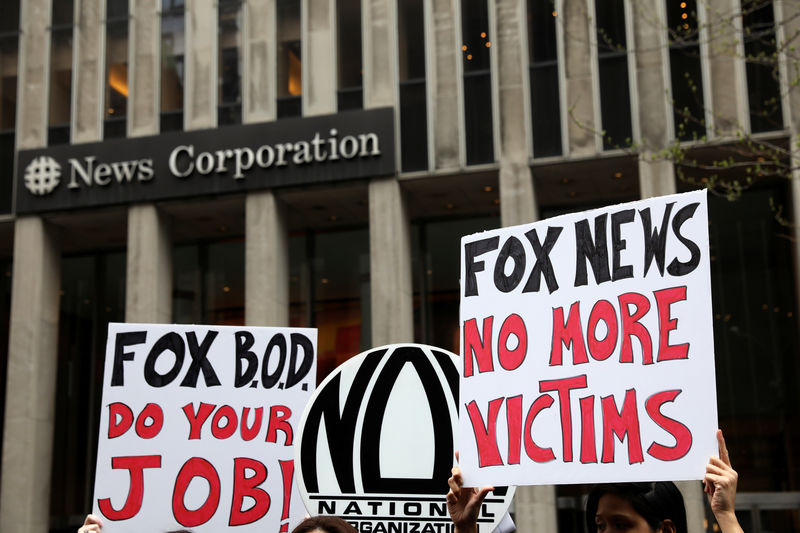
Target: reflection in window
763, 87
60, 71
290, 80
684, 63
116, 68
208, 283
172, 63
413, 115
9, 56
612, 58
92, 295
436, 263
477, 81
543, 57
230, 62
329, 290
348, 32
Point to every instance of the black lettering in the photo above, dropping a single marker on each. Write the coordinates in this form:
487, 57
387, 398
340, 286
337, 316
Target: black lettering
295, 374
471, 251
169, 342
655, 241
618, 243
200, 362
511, 249
352, 508
543, 266
677, 268
328, 508
245, 341
269, 380
123, 340
595, 250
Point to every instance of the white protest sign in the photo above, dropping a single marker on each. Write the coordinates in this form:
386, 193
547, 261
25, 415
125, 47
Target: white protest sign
587, 347
197, 427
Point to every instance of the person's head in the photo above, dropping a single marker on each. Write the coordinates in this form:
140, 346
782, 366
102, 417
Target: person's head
324, 524
636, 507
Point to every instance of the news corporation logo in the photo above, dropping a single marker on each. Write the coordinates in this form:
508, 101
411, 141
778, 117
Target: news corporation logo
42, 175
377, 441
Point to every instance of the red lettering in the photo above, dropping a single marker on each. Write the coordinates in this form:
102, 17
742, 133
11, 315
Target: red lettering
249, 433
196, 420
664, 299
154, 413
588, 451
631, 326
120, 419
568, 333
195, 467
511, 359
231, 421
485, 435
683, 437
278, 421
476, 347
514, 422
532, 450
563, 386
135, 466
602, 349
244, 486
625, 422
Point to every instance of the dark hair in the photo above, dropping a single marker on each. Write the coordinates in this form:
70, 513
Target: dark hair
655, 502
328, 524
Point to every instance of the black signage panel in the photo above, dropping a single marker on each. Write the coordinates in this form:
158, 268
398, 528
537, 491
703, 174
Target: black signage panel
345, 146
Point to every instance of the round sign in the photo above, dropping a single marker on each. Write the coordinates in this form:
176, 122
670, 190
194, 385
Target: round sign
377, 441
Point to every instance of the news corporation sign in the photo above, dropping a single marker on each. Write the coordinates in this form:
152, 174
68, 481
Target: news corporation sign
289, 152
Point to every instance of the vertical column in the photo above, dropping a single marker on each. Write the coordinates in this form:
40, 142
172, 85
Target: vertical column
33, 332
266, 270
724, 49
319, 57
200, 91
87, 116
693, 500
391, 297
581, 127
656, 176
444, 82
517, 198
148, 282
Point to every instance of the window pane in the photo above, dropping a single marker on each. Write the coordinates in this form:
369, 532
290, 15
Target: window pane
413, 100
685, 73
230, 35
9, 16
6, 170
289, 68
172, 61
116, 68
763, 87
60, 77
477, 81
63, 13
545, 100
615, 102
348, 31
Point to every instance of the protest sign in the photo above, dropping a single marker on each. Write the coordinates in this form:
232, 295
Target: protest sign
198, 425
377, 441
587, 347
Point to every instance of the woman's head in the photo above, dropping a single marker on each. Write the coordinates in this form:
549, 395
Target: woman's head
324, 524
628, 506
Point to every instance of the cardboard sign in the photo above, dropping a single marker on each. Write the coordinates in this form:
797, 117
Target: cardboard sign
587, 345
198, 425
377, 442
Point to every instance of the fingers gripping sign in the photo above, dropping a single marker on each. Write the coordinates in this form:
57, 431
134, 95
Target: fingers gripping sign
92, 524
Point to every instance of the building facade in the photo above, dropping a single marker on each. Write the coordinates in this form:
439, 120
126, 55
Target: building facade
500, 112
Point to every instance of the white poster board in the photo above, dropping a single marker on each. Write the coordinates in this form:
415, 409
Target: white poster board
197, 427
587, 347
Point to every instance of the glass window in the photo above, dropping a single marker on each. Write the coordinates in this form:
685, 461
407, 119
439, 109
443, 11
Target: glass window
116, 68
329, 290
60, 71
9, 57
437, 262
477, 81
230, 62
290, 77
348, 33
763, 78
543, 70
685, 73
92, 295
208, 283
612, 58
413, 105
172, 64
